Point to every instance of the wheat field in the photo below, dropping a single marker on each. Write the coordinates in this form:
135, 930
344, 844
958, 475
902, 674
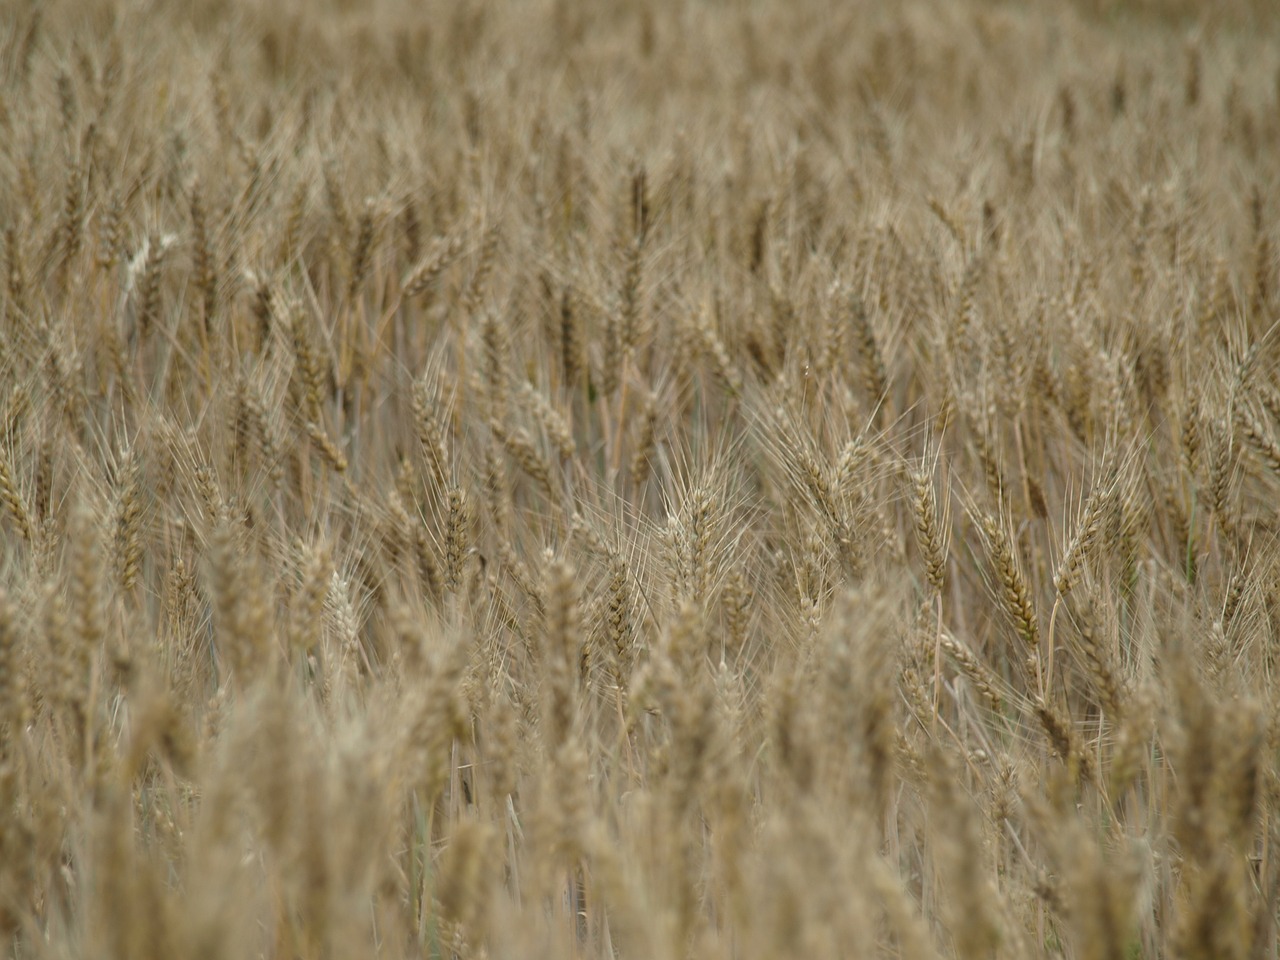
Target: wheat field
727, 479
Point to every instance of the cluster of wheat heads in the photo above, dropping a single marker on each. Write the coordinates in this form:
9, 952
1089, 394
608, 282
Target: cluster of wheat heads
655, 480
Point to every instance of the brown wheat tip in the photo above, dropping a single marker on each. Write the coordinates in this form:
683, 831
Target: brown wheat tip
1071, 566
930, 537
1013, 589
14, 501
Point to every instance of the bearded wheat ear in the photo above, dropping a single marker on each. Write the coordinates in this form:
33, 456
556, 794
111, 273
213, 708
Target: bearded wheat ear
14, 501
128, 521
932, 542
457, 537
645, 442
929, 525
1013, 589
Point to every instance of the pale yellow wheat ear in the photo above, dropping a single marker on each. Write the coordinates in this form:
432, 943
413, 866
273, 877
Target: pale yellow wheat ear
932, 519
701, 510
14, 500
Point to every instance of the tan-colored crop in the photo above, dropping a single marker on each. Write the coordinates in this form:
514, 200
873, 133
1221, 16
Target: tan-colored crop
476, 480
